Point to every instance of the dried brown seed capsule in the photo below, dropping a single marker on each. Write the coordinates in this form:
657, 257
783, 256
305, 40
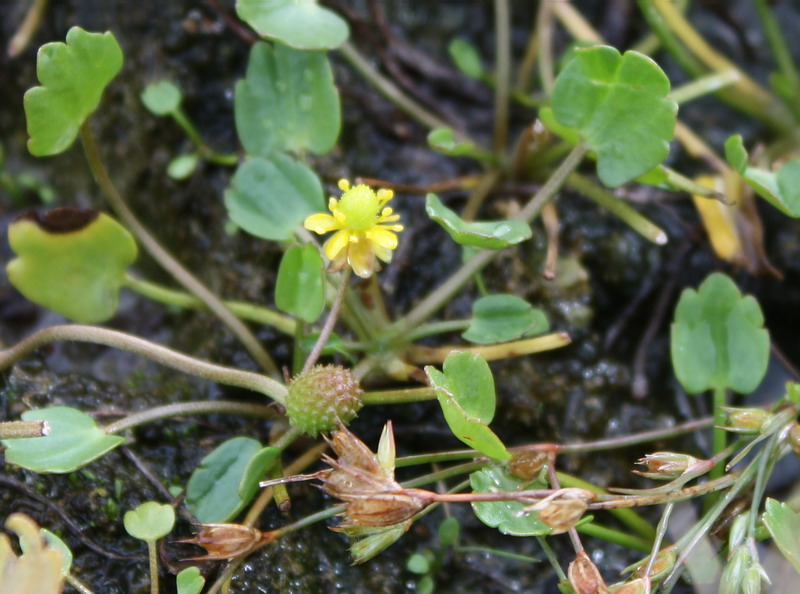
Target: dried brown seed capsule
224, 541
584, 577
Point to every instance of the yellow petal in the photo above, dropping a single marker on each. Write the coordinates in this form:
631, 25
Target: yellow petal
321, 223
361, 258
382, 237
336, 243
383, 253
344, 185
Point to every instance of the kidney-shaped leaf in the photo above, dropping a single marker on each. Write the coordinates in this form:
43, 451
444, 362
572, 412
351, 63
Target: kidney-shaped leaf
73, 77
74, 441
466, 58
500, 318
466, 394
300, 288
162, 97
783, 524
71, 261
619, 104
227, 478
489, 235
271, 197
150, 521
302, 24
780, 188
505, 515
190, 581
443, 140
287, 102
717, 339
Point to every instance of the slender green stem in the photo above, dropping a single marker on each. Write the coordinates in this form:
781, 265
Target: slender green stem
206, 151
658, 25
327, 328
242, 309
442, 294
544, 39
433, 328
551, 557
778, 45
389, 90
297, 351
496, 553
568, 448
23, 429
399, 396
167, 260
720, 439
696, 533
502, 27
154, 352
446, 473
618, 207
152, 554
661, 532
627, 516
186, 409
764, 471
77, 584
704, 85
616, 536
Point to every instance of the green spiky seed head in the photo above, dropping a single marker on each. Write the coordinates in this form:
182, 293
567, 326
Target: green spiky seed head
322, 395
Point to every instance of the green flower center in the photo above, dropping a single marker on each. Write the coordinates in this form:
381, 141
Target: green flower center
360, 206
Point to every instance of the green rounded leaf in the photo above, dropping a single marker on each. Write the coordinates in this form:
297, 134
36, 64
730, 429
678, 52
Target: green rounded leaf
783, 524
162, 97
418, 563
780, 188
71, 261
271, 197
443, 140
227, 479
466, 58
302, 24
466, 394
500, 318
73, 77
619, 105
300, 288
505, 515
717, 338
150, 521
73, 442
55, 542
189, 581
489, 235
183, 166
287, 102
448, 531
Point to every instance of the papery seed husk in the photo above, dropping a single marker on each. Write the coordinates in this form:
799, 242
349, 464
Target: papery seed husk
584, 576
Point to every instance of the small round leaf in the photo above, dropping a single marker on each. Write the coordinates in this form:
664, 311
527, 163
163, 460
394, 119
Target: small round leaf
506, 516
74, 441
302, 24
162, 97
150, 521
71, 261
619, 105
73, 77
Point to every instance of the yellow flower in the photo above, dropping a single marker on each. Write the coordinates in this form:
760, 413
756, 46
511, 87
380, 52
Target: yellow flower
363, 225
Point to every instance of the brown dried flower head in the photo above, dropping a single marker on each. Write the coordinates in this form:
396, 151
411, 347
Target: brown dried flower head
562, 510
366, 482
666, 465
584, 577
224, 541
